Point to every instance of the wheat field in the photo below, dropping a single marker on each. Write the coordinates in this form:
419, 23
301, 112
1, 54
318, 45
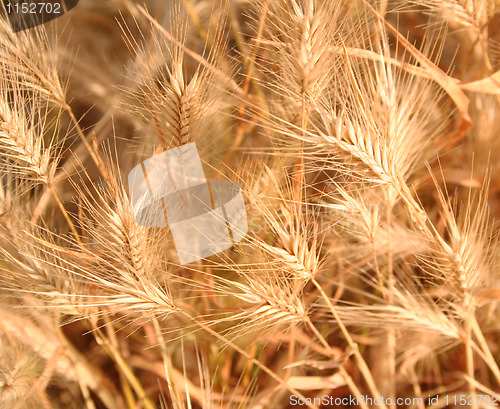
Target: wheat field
364, 136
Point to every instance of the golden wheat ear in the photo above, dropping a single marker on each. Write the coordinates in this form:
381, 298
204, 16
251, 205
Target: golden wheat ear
176, 100
30, 63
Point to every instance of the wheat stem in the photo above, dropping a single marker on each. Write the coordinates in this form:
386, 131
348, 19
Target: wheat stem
489, 358
65, 213
81, 134
350, 383
469, 357
242, 352
124, 367
363, 367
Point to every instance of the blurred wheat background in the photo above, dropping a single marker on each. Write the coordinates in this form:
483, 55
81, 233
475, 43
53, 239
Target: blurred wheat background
365, 138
